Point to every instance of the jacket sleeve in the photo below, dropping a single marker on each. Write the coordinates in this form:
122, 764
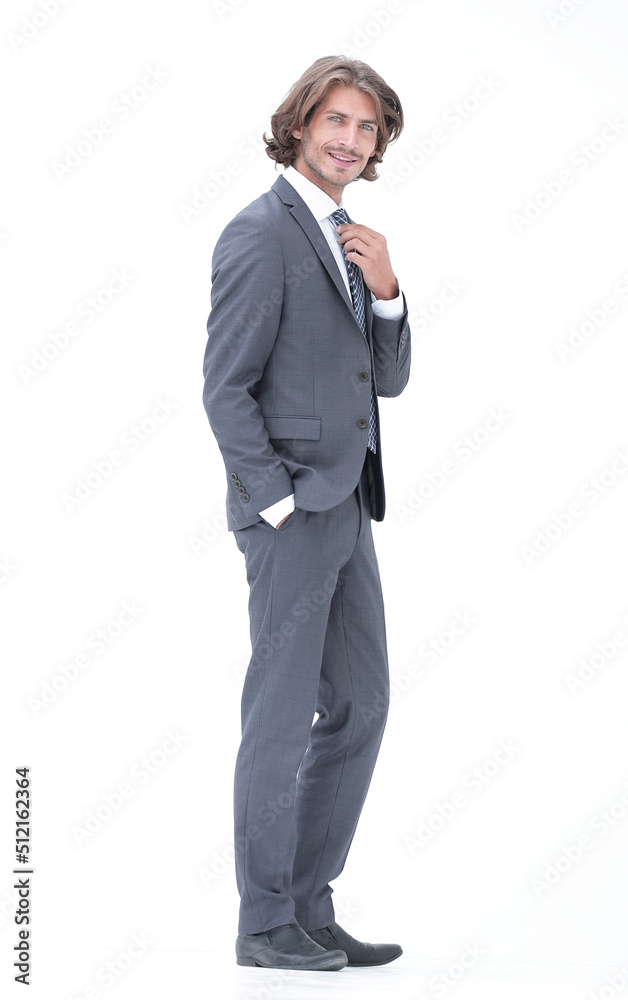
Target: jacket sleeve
391, 353
246, 299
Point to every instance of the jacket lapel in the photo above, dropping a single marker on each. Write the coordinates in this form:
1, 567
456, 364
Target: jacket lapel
311, 228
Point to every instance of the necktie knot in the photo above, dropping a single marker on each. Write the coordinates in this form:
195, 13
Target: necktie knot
340, 216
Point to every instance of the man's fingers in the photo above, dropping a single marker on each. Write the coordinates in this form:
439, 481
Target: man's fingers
356, 246
351, 230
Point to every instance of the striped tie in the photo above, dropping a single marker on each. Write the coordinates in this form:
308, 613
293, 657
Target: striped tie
357, 297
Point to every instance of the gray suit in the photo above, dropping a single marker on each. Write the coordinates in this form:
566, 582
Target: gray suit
287, 390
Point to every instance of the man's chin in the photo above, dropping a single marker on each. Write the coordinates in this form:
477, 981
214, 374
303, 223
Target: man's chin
336, 177
340, 176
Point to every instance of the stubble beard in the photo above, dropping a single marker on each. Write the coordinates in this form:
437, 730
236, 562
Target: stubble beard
317, 168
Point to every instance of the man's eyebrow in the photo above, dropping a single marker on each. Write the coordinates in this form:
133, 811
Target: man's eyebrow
343, 114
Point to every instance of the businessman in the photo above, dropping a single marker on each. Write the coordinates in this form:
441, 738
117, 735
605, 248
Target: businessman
307, 328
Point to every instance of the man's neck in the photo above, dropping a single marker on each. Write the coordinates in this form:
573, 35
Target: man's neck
333, 190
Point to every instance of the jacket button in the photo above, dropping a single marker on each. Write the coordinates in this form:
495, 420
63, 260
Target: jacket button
237, 483
241, 490
362, 422
233, 476
363, 376
245, 498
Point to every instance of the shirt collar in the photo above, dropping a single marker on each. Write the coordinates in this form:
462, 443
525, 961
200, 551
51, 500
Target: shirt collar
320, 204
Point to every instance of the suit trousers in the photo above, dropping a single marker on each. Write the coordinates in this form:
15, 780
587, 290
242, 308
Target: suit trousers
314, 707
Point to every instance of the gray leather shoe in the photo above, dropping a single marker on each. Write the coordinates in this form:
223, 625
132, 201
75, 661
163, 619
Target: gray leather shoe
357, 952
287, 947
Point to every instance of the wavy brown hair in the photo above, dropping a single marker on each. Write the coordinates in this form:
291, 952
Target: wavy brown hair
297, 108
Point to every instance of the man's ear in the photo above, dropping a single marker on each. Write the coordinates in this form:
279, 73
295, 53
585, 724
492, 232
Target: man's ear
298, 133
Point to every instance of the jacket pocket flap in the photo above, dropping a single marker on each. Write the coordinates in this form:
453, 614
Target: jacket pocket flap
306, 428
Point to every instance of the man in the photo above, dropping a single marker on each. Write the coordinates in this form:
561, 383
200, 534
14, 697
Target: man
307, 328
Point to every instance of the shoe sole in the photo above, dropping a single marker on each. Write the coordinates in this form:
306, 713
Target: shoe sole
334, 966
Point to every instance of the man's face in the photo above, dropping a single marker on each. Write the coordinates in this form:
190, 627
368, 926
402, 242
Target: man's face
340, 138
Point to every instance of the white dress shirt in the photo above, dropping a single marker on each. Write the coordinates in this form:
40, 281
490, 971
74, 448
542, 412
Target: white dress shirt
321, 205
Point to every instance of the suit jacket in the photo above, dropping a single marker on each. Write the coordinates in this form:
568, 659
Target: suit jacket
287, 369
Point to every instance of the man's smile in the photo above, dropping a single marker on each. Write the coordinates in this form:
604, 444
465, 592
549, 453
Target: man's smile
343, 160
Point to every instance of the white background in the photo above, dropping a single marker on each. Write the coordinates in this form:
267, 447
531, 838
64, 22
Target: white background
481, 540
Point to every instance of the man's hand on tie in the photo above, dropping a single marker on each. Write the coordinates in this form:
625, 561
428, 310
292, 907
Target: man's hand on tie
369, 251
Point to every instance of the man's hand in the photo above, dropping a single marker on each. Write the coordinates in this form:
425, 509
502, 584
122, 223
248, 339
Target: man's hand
282, 521
368, 250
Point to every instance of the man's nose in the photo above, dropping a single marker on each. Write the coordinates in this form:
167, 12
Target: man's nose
348, 137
